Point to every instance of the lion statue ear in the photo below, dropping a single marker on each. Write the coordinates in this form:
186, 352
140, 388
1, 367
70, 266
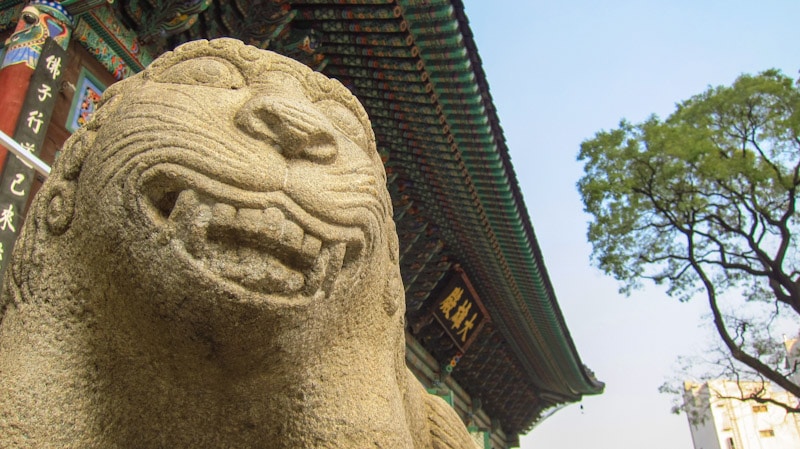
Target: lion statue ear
60, 207
58, 193
60, 189
394, 295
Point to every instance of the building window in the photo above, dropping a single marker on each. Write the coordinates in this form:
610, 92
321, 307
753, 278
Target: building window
726, 422
760, 408
731, 445
766, 433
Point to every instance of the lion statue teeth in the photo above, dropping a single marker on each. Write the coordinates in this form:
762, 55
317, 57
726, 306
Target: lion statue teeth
213, 263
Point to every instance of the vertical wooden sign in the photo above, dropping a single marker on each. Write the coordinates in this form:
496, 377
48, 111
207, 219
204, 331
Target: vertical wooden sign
17, 177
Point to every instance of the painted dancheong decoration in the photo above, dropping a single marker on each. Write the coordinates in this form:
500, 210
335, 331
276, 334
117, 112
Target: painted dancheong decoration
88, 91
39, 21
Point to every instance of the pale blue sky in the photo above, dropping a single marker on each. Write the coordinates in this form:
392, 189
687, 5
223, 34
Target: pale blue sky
558, 73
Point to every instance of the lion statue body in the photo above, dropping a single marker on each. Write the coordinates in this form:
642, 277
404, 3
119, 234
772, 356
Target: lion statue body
213, 264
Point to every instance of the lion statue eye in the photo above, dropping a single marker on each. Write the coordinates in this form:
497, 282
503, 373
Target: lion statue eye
344, 120
208, 72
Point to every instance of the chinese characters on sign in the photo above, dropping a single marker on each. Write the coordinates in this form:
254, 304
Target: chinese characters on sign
17, 176
53, 66
460, 311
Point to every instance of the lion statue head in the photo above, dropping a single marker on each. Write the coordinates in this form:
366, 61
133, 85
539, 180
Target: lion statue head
212, 262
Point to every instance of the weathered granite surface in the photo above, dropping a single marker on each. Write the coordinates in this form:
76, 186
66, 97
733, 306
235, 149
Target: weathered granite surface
213, 264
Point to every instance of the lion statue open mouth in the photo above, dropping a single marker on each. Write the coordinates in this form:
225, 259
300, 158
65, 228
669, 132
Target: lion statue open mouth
257, 172
213, 263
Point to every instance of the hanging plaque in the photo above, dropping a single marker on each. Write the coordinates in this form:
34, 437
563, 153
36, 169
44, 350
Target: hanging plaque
459, 310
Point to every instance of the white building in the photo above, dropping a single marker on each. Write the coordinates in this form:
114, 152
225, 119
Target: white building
720, 421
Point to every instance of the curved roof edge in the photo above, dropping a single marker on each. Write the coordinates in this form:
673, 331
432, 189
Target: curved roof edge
579, 379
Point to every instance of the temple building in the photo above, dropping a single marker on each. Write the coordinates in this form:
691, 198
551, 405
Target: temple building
484, 329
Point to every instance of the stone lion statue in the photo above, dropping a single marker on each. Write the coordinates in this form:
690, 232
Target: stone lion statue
213, 264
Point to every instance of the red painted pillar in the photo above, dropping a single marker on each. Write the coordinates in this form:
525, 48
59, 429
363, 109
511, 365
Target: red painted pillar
13, 86
39, 20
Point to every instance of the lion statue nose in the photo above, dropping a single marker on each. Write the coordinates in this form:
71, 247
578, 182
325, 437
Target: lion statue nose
296, 129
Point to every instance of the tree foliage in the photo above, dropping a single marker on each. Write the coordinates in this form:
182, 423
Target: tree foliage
705, 202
